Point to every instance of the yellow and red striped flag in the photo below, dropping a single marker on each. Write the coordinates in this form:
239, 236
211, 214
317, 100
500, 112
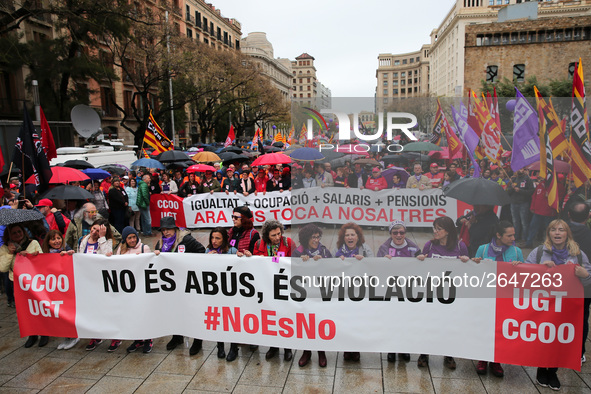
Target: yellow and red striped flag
155, 137
490, 135
579, 136
146, 154
553, 127
290, 136
279, 138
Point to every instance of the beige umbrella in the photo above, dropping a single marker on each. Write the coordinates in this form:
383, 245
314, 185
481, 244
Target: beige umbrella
205, 156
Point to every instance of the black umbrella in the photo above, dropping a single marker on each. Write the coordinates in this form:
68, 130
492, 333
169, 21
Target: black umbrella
231, 156
78, 164
113, 169
232, 149
394, 159
477, 191
341, 161
171, 156
12, 216
278, 144
67, 192
272, 149
331, 155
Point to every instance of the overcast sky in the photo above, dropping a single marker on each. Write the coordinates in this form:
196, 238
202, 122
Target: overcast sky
345, 37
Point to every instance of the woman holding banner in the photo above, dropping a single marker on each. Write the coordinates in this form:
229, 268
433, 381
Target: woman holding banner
243, 236
191, 187
219, 244
131, 244
445, 244
559, 248
175, 240
501, 248
351, 243
311, 248
273, 244
17, 241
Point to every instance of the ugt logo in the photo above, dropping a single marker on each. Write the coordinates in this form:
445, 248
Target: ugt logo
345, 125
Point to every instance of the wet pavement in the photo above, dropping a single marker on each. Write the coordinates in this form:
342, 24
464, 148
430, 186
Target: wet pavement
49, 370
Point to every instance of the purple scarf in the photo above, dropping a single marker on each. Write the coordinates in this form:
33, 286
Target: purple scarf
320, 251
559, 256
495, 251
167, 243
345, 251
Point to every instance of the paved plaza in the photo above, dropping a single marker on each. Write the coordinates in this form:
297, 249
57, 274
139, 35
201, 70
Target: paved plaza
77, 370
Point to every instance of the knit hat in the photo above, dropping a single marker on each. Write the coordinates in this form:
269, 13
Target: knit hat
128, 230
244, 211
396, 223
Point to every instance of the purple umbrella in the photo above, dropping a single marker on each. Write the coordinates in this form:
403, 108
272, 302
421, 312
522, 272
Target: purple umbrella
389, 173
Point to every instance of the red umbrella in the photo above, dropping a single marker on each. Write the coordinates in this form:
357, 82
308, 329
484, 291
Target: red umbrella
559, 166
271, 159
63, 175
200, 168
444, 153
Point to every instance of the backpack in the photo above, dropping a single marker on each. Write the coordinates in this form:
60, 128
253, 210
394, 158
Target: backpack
540, 250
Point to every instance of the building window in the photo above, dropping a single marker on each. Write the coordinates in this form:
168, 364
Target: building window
301, 79
301, 88
309, 95
404, 61
395, 75
418, 59
519, 72
309, 88
403, 90
395, 91
403, 74
402, 82
410, 81
189, 33
394, 83
571, 69
385, 92
397, 62
385, 75
412, 59
198, 18
385, 83
492, 73
479, 39
308, 79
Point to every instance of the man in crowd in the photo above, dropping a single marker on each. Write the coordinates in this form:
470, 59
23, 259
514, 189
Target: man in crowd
143, 203
323, 178
520, 189
82, 224
418, 180
55, 219
435, 176
542, 213
230, 183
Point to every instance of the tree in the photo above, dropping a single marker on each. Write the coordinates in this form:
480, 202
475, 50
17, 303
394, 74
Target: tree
64, 62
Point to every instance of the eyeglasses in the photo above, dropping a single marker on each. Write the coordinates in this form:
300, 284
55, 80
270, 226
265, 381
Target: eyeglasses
236, 217
398, 232
93, 211
317, 237
437, 229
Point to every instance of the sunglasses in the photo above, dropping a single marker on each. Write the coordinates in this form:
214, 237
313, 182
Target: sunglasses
398, 232
236, 217
94, 211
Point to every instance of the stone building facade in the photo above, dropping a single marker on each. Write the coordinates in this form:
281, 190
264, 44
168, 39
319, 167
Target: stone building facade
547, 48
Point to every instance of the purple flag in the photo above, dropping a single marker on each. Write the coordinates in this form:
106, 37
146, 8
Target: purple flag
526, 144
467, 135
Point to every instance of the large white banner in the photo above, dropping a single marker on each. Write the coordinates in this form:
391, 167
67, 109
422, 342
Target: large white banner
325, 205
438, 306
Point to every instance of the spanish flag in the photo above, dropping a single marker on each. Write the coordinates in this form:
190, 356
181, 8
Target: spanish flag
553, 125
155, 137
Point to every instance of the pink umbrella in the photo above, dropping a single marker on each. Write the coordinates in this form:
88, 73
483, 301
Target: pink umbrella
444, 154
559, 166
271, 159
353, 149
200, 168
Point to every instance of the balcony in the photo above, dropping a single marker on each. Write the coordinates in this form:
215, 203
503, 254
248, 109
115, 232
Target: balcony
190, 19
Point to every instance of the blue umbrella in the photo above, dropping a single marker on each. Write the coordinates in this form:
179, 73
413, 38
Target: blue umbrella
96, 173
306, 154
148, 163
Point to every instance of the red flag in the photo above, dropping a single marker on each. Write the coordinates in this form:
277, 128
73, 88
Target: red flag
454, 145
495, 108
490, 136
231, 137
46, 138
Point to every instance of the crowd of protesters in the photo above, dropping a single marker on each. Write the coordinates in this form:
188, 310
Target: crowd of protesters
119, 215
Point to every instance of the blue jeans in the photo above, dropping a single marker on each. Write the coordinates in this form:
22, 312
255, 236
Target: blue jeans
536, 222
146, 221
520, 214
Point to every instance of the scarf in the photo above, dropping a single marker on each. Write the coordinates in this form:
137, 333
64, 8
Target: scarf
346, 252
559, 256
418, 177
319, 251
52, 250
404, 245
495, 251
273, 249
167, 243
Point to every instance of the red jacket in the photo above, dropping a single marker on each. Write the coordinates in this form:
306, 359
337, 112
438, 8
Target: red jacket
435, 179
286, 246
260, 184
379, 183
539, 202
